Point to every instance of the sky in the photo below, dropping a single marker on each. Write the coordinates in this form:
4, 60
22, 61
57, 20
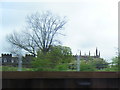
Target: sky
91, 23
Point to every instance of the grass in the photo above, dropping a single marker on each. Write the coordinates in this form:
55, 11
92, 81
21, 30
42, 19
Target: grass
9, 68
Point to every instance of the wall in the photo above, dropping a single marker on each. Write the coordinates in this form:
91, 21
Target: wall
61, 80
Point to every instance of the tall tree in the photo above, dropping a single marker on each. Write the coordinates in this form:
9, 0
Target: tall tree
39, 33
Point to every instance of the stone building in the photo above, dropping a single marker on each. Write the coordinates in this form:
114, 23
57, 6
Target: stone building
9, 60
90, 57
87, 57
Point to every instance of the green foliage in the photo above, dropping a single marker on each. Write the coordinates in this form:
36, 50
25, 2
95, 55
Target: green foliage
56, 59
115, 64
61, 67
10, 68
119, 63
91, 64
110, 69
98, 62
86, 66
115, 60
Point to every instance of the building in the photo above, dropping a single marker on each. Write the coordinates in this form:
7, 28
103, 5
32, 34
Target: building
9, 60
89, 56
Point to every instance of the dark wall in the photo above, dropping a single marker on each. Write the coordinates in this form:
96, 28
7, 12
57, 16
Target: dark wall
65, 80
61, 83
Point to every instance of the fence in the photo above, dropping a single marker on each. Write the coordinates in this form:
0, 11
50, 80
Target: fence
65, 80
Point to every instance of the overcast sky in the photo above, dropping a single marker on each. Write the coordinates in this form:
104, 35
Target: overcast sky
91, 23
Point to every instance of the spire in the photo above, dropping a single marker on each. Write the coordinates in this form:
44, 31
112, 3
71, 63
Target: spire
99, 53
89, 53
96, 52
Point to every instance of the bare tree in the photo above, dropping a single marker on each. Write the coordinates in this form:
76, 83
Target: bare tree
40, 32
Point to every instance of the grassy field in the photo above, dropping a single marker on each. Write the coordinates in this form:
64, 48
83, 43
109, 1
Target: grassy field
8, 68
